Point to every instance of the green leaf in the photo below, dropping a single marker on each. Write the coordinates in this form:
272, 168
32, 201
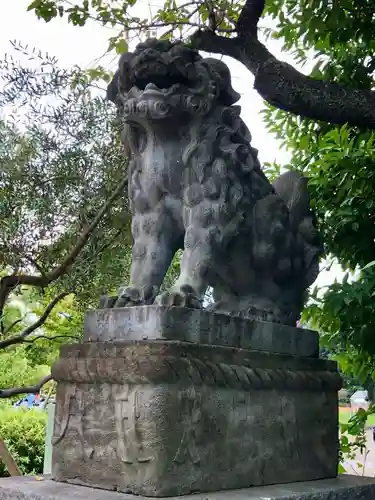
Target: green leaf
122, 46
341, 469
35, 4
370, 264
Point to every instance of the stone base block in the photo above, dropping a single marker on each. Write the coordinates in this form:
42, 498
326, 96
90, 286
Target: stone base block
341, 488
197, 325
164, 418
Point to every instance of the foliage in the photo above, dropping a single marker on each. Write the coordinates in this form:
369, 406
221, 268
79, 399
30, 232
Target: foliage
339, 161
345, 317
23, 431
40, 349
174, 15
338, 35
16, 369
340, 164
61, 159
27, 362
173, 272
345, 415
353, 442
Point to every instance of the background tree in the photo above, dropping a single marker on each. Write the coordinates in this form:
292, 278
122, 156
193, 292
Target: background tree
61, 161
64, 220
27, 363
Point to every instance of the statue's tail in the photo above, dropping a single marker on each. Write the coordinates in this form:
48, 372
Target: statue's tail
292, 188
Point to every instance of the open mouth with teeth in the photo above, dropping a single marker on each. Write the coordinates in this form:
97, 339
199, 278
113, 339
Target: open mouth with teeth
160, 82
157, 77
156, 89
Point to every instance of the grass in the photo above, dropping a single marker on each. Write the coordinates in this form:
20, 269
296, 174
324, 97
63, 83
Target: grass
345, 414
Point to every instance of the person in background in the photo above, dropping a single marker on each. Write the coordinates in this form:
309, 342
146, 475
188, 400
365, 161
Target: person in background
28, 401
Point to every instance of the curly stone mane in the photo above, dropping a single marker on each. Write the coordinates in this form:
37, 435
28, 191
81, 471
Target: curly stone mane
225, 162
195, 182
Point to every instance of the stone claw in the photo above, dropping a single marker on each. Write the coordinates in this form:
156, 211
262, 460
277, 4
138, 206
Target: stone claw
129, 296
184, 296
107, 301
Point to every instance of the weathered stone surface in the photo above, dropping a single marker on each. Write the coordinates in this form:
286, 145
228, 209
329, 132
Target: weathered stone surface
170, 418
341, 488
196, 183
194, 325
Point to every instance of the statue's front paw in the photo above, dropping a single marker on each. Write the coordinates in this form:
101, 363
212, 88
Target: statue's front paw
107, 301
184, 296
127, 297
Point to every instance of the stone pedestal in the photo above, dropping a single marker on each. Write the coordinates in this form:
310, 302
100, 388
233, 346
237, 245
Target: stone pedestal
341, 488
159, 417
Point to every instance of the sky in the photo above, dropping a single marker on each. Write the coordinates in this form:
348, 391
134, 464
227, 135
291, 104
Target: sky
87, 46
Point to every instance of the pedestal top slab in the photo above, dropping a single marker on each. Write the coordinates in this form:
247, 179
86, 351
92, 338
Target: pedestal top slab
197, 326
341, 488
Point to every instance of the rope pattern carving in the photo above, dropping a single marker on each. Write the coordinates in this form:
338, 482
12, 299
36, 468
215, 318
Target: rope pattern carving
191, 371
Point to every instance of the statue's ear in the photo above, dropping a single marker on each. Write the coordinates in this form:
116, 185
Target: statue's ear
221, 73
121, 77
112, 89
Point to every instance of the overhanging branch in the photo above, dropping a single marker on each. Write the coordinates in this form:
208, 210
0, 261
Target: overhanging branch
280, 84
29, 389
209, 41
50, 339
286, 88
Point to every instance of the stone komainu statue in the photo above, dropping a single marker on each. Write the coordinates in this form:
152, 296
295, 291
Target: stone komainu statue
195, 183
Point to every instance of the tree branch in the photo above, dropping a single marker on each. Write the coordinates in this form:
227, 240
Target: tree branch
30, 389
209, 41
17, 339
247, 23
37, 266
7, 283
12, 325
50, 339
85, 235
284, 87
